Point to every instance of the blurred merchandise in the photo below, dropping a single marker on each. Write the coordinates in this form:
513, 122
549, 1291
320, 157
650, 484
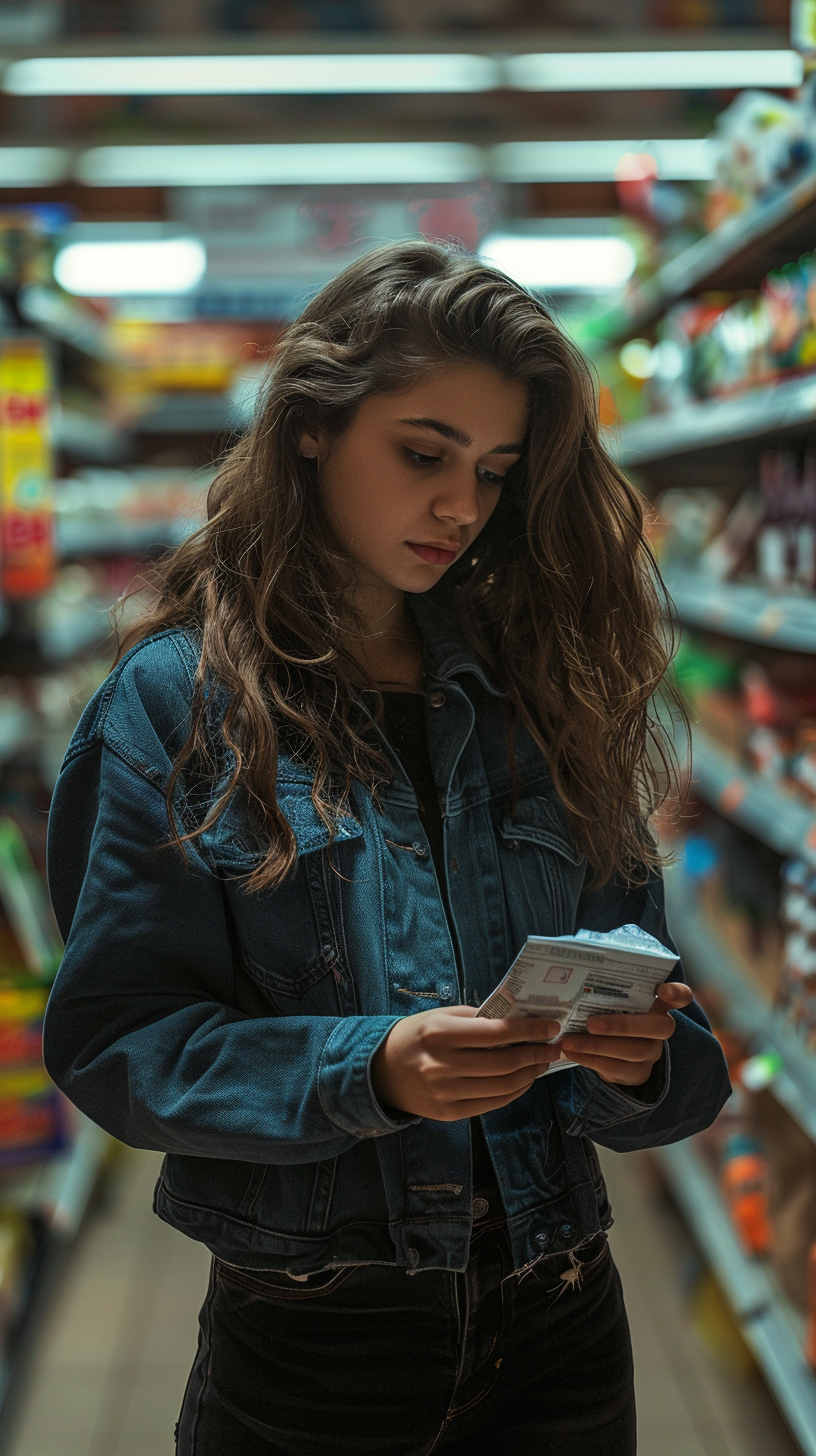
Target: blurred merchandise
26, 491
147, 359
761, 141
25, 900
721, 344
768, 536
16, 1248
33, 1121
712, 1319
810, 1338
790, 1187
743, 1176
98, 505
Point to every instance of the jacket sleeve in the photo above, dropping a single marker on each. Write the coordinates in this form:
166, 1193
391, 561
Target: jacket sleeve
689, 1084
142, 1031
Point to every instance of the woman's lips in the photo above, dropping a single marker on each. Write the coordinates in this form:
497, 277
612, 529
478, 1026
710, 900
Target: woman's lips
437, 555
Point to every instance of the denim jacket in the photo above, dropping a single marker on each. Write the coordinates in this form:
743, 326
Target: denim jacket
235, 1031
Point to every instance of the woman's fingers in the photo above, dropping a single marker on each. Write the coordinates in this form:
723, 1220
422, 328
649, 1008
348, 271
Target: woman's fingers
675, 993
467, 1089
498, 1061
624, 1049
647, 1024
456, 1027
612, 1069
478, 1105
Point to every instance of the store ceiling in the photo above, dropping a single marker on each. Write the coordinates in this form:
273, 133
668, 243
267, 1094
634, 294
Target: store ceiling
501, 86
122, 155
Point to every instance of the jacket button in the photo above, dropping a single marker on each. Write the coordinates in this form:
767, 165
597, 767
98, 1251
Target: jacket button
565, 1230
445, 993
413, 1257
420, 850
512, 844
479, 1207
542, 1240
436, 699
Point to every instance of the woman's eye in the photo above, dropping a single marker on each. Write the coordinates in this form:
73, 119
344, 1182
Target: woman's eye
420, 459
490, 477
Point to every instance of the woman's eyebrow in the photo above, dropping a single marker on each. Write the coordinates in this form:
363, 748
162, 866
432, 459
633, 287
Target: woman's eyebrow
450, 432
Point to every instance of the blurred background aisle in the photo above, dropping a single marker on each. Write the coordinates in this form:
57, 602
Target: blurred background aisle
109, 1368
176, 179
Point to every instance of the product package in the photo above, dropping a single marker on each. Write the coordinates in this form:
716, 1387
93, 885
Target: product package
568, 978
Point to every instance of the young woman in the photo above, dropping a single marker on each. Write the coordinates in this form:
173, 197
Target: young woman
388, 716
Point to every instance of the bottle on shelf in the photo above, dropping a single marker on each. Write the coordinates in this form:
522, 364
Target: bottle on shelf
743, 1176
810, 1328
806, 533
779, 487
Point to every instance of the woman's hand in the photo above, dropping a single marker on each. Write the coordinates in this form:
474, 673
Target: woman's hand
625, 1048
451, 1064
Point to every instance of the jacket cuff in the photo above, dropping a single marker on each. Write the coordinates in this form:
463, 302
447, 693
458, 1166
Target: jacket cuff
344, 1083
609, 1103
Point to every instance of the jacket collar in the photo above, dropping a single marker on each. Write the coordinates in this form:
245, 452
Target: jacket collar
447, 653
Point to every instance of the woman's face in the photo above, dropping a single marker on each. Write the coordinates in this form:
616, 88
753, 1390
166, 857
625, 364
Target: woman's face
418, 473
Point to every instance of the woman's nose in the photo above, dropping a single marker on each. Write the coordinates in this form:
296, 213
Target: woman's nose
458, 500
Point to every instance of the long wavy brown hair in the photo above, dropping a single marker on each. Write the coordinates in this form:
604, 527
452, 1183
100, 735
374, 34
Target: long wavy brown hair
561, 597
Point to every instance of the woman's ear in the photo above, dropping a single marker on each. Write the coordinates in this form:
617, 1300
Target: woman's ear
309, 445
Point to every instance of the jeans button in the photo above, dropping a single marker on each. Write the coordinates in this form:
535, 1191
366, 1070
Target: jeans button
479, 1207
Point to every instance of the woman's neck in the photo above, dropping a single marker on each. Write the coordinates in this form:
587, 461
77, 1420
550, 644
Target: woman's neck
386, 642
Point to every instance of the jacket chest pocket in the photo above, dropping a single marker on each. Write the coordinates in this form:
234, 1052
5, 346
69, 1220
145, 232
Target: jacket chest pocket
290, 939
542, 872
287, 945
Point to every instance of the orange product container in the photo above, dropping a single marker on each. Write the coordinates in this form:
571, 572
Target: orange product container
810, 1329
743, 1180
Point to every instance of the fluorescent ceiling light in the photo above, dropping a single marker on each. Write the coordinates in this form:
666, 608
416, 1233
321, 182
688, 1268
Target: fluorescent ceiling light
654, 70
169, 265
279, 163
395, 73
33, 166
679, 159
561, 263
247, 75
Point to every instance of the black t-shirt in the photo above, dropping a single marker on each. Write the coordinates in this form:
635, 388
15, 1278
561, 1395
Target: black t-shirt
404, 727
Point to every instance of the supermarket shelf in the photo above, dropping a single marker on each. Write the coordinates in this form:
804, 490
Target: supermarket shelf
770, 1325
117, 537
64, 320
747, 612
744, 1009
736, 255
188, 414
58, 1191
789, 405
754, 803
56, 1195
73, 633
17, 728
90, 437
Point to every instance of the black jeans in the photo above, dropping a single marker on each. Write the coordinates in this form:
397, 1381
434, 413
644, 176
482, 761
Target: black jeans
375, 1360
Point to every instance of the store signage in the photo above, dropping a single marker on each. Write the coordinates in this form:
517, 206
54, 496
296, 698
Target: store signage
26, 473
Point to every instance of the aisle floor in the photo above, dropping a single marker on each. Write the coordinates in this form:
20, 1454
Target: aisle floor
119, 1336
